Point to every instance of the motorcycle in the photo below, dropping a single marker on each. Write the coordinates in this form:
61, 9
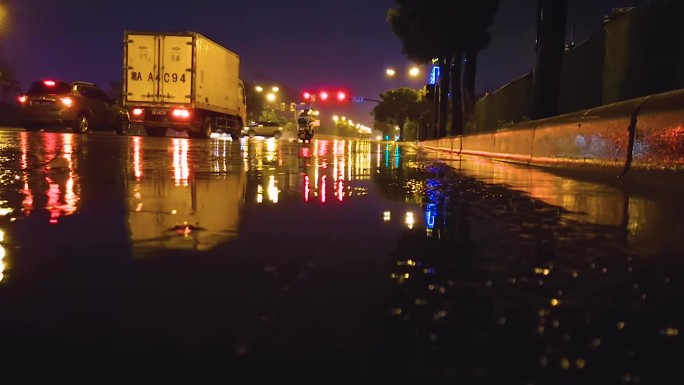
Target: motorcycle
305, 129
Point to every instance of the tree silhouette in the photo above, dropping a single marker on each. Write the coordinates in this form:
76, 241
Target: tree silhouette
445, 30
9, 85
398, 106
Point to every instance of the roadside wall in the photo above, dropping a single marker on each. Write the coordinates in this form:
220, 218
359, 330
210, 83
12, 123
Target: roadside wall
643, 134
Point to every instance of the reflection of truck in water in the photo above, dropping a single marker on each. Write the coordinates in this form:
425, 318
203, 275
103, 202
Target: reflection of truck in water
197, 214
182, 81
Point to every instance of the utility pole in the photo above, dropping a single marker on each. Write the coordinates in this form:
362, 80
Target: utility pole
551, 21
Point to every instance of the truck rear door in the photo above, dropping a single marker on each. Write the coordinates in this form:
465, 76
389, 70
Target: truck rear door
176, 74
142, 68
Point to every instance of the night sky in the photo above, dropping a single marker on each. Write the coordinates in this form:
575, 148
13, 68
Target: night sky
301, 44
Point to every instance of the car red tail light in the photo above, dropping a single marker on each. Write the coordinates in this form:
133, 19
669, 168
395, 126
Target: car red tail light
137, 112
67, 101
180, 113
22, 99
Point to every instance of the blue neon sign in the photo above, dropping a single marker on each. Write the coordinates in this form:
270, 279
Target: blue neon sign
434, 75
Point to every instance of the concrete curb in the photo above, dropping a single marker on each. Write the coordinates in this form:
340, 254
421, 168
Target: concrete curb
614, 141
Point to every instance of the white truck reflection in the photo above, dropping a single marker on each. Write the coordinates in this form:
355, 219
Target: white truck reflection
198, 214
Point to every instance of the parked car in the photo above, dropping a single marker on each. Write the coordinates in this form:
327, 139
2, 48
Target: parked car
273, 129
80, 105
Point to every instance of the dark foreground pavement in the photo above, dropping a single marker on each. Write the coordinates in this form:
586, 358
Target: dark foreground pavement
337, 262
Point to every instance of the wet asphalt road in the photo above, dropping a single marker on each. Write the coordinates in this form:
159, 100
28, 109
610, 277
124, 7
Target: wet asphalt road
330, 262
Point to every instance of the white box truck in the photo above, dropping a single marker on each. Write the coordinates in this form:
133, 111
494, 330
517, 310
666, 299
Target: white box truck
182, 81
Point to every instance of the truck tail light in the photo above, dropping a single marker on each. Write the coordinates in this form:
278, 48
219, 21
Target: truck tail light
49, 83
137, 112
180, 113
67, 102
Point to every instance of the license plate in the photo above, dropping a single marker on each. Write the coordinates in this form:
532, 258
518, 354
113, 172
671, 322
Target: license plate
159, 112
41, 103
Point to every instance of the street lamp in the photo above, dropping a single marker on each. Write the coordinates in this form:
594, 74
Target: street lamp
259, 89
412, 72
336, 118
4, 18
271, 97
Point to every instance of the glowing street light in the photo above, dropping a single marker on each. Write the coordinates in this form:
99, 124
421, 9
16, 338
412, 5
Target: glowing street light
261, 89
390, 72
4, 18
414, 72
271, 97
335, 118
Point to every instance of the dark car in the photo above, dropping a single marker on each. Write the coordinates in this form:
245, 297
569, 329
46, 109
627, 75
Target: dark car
263, 129
79, 105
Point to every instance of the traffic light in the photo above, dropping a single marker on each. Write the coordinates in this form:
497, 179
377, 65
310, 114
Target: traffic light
430, 91
325, 96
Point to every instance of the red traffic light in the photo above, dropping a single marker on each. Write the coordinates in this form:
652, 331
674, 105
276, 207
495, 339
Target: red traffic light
325, 96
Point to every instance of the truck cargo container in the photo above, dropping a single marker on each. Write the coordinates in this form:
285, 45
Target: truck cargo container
182, 81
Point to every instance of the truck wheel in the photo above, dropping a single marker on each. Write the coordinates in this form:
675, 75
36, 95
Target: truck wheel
82, 124
235, 136
207, 128
277, 134
251, 133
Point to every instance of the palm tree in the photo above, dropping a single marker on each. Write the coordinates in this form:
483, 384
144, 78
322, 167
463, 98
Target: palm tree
446, 30
479, 16
423, 35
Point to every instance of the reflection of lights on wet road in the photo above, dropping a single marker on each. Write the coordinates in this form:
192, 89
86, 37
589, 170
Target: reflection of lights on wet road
4, 210
306, 188
340, 190
273, 191
271, 147
430, 215
323, 188
410, 220
386, 216
137, 158
181, 170
2, 255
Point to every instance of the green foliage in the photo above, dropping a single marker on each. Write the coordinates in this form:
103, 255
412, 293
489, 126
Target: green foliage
399, 106
255, 104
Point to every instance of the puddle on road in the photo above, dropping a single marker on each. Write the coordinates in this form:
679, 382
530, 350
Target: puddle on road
355, 252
